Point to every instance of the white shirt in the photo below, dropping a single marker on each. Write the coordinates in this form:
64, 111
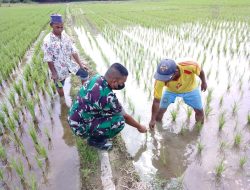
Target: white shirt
59, 51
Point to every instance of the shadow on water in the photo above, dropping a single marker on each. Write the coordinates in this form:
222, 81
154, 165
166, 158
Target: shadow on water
168, 157
67, 133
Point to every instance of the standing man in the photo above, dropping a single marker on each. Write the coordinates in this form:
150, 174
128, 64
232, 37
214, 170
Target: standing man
58, 52
179, 80
96, 113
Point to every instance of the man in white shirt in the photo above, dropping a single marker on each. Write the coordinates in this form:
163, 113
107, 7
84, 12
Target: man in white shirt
58, 53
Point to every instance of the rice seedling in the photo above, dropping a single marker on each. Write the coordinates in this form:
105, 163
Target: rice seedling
222, 145
31, 107
53, 87
16, 117
18, 166
199, 126
12, 99
11, 125
2, 119
41, 151
234, 109
33, 185
200, 147
208, 110
3, 154
33, 135
17, 88
46, 131
24, 96
243, 161
219, 169
4, 183
39, 163
5, 109
30, 87
209, 96
221, 101
222, 121
173, 114
189, 112
237, 139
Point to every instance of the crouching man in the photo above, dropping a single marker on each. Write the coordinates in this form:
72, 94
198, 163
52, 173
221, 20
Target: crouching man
96, 114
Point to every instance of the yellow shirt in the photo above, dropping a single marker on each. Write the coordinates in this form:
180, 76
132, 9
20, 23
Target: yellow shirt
185, 83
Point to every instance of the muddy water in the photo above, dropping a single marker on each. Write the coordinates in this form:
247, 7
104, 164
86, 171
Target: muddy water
166, 153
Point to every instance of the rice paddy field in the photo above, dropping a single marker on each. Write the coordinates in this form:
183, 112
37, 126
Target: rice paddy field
36, 146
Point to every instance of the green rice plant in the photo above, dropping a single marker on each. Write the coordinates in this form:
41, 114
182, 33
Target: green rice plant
24, 96
209, 96
243, 161
30, 87
16, 117
33, 135
17, 88
189, 112
12, 99
48, 90
200, 147
39, 163
219, 169
3, 154
46, 131
208, 110
222, 145
18, 166
33, 182
1, 175
11, 125
234, 108
173, 114
222, 121
53, 87
41, 151
237, 139
5, 109
221, 101
2, 119
199, 126
31, 107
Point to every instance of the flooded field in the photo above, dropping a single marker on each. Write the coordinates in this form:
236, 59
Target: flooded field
37, 149
176, 154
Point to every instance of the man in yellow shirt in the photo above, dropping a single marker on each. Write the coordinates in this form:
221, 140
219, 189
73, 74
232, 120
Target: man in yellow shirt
177, 80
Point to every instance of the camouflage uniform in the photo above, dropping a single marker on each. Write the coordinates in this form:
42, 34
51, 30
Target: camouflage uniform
96, 112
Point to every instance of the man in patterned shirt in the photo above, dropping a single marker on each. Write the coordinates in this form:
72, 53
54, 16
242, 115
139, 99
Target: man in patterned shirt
179, 80
96, 113
58, 52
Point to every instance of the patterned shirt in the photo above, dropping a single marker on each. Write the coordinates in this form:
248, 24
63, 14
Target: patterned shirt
185, 83
59, 51
95, 104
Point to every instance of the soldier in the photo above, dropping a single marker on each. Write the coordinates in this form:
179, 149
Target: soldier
96, 114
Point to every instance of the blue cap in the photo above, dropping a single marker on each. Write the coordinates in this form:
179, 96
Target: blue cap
56, 18
165, 70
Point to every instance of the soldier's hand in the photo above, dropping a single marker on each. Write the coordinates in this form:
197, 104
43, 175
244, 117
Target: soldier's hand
142, 129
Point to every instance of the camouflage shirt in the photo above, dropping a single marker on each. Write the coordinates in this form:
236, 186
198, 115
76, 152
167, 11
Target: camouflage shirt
96, 107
